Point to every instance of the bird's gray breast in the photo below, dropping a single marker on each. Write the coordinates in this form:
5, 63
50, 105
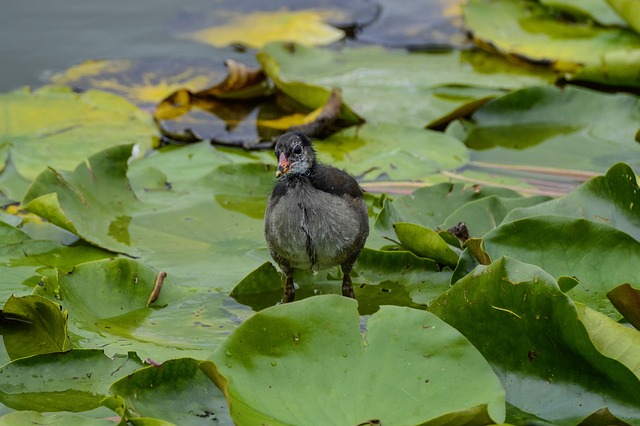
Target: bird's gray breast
313, 229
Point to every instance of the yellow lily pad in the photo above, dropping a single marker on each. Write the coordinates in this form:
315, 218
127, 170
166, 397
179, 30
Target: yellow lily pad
256, 29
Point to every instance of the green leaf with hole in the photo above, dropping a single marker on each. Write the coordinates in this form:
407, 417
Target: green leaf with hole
33, 325
176, 391
76, 380
599, 256
308, 362
556, 360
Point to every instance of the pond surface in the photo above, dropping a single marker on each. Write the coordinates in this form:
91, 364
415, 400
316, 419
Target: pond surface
39, 38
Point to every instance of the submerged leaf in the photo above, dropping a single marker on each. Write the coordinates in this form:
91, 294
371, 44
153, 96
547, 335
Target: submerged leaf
431, 373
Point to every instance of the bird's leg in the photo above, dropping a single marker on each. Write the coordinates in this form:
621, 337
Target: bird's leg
289, 290
347, 286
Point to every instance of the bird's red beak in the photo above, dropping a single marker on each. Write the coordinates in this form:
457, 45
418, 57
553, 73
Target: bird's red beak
283, 165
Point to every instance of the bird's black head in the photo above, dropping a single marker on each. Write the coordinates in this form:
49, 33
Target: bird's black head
295, 154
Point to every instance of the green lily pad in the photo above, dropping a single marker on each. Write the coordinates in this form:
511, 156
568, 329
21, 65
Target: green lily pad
167, 222
57, 127
425, 242
113, 313
76, 380
482, 215
596, 10
551, 356
392, 152
611, 199
430, 372
391, 86
176, 391
24, 261
524, 126
528, 30
33, 325
593, 253
379, 278
629, 10
431, 206
20, 418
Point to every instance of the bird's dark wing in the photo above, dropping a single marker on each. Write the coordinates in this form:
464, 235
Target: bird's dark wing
334, 181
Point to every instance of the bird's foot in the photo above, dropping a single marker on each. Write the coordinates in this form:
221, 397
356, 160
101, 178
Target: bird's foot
289, 294
347, 287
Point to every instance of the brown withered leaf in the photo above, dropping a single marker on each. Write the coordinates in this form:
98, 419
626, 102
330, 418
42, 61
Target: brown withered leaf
626, 299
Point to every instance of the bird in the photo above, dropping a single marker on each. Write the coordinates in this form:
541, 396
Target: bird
316, 217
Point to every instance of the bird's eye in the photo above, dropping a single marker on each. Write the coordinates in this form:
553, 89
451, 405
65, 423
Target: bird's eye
297, 149
277, 154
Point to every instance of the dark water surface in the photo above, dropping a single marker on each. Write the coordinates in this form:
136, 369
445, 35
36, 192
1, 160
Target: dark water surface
40, 37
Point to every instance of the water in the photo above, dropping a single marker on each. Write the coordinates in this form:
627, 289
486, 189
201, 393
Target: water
40, 37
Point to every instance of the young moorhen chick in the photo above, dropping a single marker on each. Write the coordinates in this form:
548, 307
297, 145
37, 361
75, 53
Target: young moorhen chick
316, 217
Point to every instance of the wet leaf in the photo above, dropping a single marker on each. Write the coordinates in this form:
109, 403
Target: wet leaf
33, 325
56, 127
167, 221
551, 355
146, 81
255, 29
112, 313
274, 356
527, 30
176, 391
392, 152
76, 380
589, 251
379, 278
626, 299
390, 86
523, 127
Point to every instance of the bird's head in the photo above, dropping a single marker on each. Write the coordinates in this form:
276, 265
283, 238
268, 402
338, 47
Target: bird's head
295, 154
